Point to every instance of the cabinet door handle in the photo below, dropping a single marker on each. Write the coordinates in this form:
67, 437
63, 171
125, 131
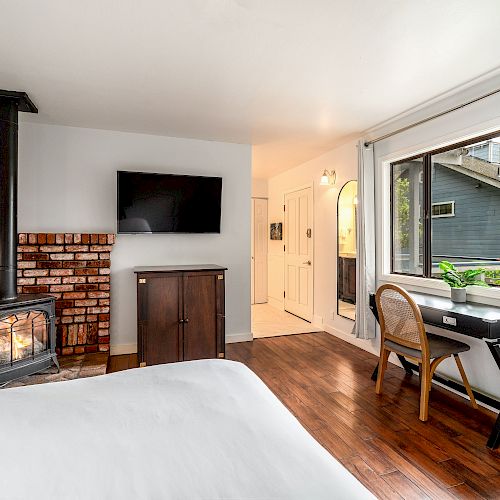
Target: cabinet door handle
186, 320
181, 321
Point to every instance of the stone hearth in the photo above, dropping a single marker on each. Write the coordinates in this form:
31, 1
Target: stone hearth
72, 367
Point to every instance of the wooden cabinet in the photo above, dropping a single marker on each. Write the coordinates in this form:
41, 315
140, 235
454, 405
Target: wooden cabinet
180, 313
347, 279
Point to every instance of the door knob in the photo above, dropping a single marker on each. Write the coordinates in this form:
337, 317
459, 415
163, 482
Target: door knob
308, 262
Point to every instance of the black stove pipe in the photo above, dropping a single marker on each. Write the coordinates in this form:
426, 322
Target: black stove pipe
8, 199
10, 105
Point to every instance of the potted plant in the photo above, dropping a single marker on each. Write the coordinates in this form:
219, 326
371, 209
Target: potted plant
460, 280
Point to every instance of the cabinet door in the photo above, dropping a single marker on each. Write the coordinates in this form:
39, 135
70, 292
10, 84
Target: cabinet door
200, 316
349, 287
159, 314
340, 278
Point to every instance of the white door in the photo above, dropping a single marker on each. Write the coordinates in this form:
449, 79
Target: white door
299, 253
259, 251
252, 251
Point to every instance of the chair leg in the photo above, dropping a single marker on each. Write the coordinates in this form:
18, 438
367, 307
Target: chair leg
425, 381
434, 365
382, 365
465, 380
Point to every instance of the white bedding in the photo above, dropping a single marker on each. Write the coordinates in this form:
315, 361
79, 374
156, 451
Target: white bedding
204, 429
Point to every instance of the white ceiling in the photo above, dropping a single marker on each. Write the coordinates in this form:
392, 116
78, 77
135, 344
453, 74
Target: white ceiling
291, 77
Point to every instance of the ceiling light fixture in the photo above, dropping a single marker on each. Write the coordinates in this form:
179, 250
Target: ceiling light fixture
329, 178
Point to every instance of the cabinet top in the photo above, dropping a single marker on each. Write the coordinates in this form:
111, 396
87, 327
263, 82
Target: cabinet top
173, 269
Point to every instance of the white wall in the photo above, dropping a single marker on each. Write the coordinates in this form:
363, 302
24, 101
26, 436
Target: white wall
259, 188
344, 160
67, 183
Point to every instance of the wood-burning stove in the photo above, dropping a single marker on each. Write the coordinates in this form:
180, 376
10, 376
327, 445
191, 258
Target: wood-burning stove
27, 336
27, 322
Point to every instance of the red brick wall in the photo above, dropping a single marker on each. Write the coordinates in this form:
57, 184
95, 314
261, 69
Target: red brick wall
74, 268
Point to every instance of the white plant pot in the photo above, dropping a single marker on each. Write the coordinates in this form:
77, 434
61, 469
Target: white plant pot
459, 294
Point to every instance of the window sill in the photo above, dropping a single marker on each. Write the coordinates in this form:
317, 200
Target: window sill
478, 294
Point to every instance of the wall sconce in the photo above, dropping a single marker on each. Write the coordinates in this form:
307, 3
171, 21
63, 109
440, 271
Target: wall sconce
329, 178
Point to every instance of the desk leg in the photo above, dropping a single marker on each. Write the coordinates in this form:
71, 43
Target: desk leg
405, 364
494, 439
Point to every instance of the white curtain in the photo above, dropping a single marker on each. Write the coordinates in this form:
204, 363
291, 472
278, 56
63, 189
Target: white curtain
364, 327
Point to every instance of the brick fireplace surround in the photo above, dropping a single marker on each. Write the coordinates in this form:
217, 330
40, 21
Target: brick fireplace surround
74, 268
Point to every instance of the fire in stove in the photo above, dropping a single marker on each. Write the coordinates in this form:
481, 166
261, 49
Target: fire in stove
23, 335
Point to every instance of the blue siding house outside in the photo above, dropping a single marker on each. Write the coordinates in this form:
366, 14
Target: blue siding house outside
474, 230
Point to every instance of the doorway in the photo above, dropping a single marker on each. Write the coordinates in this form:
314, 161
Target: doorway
298, 251
259, 251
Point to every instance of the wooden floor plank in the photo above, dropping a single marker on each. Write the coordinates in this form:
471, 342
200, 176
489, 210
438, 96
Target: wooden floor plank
379, 486
465, 492
406, 488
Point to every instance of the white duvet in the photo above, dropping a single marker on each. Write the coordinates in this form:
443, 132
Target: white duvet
196, 430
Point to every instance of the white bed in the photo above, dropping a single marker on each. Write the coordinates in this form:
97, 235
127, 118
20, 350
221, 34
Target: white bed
196, 430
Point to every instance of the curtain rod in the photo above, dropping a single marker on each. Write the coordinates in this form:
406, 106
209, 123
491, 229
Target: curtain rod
429, 118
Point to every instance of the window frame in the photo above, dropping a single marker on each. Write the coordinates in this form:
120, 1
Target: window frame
426, 157
443, 216
391, 175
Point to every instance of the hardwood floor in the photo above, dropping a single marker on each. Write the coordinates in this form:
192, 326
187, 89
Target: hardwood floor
326, 384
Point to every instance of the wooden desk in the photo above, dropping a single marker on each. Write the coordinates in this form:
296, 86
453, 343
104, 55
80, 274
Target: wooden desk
473, 320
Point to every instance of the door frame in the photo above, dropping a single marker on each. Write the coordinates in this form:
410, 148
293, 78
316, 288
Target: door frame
288, 191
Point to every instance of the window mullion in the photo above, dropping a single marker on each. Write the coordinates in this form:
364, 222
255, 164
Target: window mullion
427, 228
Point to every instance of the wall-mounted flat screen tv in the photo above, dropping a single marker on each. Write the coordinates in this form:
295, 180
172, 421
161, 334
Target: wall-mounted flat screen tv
165, 203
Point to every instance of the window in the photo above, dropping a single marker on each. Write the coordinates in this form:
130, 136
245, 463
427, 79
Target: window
428, 227
407, 217
443, 209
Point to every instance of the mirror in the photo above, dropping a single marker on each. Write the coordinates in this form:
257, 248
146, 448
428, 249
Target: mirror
346, 250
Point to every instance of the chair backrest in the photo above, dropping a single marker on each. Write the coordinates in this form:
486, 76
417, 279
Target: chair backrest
400, 318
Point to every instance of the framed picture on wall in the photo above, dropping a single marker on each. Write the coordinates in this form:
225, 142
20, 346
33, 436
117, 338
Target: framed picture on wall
276, 231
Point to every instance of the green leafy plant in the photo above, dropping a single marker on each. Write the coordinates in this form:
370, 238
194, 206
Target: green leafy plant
461, 279
493, 277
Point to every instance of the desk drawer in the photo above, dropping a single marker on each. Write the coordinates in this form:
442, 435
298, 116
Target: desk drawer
465, 325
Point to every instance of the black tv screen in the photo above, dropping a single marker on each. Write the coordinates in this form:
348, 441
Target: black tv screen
165, 203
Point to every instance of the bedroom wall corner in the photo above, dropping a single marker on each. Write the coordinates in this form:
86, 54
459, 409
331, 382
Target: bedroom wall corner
67, 183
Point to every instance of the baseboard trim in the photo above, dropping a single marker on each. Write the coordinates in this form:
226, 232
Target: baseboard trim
317, 321
233, 338
118, 349
351, 339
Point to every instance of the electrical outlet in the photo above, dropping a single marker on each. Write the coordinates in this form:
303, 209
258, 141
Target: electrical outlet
447, 320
